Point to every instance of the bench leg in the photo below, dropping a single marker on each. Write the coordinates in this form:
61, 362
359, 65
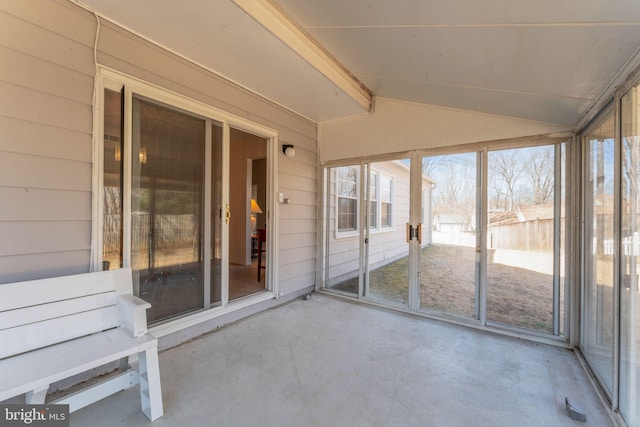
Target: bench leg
36, 397
150, 390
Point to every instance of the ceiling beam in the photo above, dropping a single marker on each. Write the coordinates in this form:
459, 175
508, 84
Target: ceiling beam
275, 21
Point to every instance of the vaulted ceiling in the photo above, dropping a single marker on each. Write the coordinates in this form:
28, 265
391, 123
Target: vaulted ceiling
539, 60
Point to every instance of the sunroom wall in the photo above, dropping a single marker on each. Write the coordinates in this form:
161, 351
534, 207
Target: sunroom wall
46, 87
398, 126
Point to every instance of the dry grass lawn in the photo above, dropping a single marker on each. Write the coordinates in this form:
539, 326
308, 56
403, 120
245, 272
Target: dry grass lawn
515, 296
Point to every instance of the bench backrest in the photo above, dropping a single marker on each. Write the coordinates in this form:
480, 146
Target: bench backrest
39, 313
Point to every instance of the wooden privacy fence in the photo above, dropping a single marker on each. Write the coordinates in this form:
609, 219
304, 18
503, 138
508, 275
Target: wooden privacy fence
535, 236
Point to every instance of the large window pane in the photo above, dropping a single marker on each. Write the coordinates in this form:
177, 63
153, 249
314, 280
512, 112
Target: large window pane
630, 269
599, 250
347, 177
167, 198
521, 226
449, 267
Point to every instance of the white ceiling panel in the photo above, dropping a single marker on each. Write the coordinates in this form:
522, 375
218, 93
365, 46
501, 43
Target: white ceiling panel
533, 60
528, 106
280, 74
220, 36
364, 13
540, 60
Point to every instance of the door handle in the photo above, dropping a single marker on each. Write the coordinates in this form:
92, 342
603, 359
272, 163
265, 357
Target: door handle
414, 232
227, 215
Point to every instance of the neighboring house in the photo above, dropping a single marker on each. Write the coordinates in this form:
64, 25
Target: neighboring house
386, 220
450, 223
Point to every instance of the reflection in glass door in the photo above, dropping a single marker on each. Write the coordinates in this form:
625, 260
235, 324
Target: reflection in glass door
450, 267
599, 251
167, 209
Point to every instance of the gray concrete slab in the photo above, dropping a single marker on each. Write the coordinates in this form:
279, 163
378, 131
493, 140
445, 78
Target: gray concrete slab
328, 362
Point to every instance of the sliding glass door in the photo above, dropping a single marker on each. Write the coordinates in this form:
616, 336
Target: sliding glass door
524, 216
167, 195
630, 256
388, 209
473, 235
186, 203
450, 258
367, 218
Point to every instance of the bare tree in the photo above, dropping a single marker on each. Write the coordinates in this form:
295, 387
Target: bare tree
432, 163
507, 167
539, 170
455, 191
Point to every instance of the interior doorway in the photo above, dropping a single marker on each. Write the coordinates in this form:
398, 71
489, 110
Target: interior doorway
247, 226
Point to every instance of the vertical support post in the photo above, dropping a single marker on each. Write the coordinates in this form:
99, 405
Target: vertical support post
482, 206
557, 226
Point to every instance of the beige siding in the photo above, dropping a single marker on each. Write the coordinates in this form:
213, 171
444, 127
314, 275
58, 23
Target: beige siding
46, 84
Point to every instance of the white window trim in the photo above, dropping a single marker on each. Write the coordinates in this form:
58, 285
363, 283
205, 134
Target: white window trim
392, 180
378, 228
349, 232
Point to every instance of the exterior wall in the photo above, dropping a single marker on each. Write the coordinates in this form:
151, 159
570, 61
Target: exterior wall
397, 126
46, 88
46, 83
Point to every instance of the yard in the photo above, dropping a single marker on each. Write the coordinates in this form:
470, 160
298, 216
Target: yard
515, 296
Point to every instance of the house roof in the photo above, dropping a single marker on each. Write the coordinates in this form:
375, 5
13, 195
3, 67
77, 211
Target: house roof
502, 218
534, 212
544, 60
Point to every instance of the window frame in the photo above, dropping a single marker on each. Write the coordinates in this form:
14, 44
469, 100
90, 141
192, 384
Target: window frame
355, 229
378, 227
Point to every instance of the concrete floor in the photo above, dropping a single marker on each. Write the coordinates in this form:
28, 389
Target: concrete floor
327, 362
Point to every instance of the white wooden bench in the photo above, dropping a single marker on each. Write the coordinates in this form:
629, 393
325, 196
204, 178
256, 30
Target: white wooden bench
52, 329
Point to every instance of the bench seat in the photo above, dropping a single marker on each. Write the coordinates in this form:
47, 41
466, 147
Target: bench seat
38, 369
56, 328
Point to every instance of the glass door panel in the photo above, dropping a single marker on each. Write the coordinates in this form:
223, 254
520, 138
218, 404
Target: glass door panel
167, 209
342, 229
112, 237
599, 250
449, 270
247, 222
630, 258
388, 207
217, 215
521, 237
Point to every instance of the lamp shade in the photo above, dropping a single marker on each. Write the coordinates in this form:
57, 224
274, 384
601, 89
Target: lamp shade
254, 207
